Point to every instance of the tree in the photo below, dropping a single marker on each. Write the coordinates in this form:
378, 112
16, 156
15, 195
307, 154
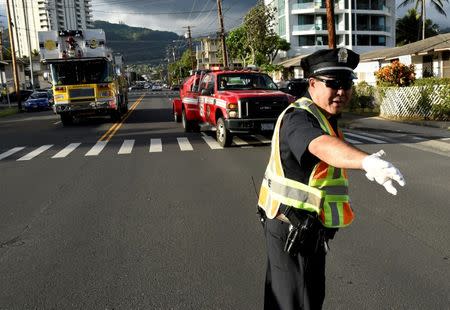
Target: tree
255, 41
408, 28
258, 27
437, 4
237, 45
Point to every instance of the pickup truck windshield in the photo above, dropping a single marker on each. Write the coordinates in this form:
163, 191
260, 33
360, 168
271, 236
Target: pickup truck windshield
81, 72
245, 81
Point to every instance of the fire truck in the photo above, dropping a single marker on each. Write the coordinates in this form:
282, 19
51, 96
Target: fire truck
86, 78
232, 102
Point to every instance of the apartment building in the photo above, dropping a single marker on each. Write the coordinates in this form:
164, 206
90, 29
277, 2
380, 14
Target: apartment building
362, 25
31, 16
208, 54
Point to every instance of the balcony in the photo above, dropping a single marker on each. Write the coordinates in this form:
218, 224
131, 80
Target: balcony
372, 28
309, 27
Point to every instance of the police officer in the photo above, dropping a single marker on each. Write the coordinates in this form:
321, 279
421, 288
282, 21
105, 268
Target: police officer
304, 194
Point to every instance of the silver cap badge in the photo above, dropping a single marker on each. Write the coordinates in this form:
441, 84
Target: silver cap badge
342, 55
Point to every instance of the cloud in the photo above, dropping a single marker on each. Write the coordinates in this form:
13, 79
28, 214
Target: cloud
162, 14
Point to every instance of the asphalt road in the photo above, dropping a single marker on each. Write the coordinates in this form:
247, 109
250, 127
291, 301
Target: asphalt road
150, 217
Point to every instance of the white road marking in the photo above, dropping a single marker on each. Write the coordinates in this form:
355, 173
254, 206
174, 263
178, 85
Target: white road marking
445, 139
212, 143
35, 153
127, 147
155, 145
97, 148
364, 137
67, 150
418, 138
11, 151
352, 141
56, 123
262, 139
184, 144
240, 142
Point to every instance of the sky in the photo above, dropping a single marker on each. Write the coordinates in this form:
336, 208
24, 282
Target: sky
202, 17
201, 14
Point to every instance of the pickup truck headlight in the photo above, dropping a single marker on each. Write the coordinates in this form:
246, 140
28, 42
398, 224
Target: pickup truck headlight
232, 109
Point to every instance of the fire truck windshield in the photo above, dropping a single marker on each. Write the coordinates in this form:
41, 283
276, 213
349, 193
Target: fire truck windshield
81, 72
245, 81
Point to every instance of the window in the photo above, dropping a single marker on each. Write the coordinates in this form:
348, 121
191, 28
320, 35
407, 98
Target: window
378, 40
306, 40
363, 40
282, 26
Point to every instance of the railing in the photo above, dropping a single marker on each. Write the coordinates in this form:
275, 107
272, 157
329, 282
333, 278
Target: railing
372, 28
310, 27
309, 5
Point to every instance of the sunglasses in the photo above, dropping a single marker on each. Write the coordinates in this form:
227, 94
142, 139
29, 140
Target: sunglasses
336, 84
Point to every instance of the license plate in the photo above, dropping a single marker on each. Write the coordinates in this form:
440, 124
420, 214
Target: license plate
267, 126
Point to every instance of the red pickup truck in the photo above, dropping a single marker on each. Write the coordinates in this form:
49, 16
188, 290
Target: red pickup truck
231, 102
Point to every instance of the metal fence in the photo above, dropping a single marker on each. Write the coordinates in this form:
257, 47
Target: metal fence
412, 102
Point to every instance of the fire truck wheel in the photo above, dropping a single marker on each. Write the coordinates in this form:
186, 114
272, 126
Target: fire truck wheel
186, 124
223, 135
66, 119
176, 117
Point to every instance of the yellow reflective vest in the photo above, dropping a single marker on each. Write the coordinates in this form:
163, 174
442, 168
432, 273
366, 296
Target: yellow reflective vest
327, 190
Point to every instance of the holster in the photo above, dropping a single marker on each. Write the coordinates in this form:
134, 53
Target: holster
306, 234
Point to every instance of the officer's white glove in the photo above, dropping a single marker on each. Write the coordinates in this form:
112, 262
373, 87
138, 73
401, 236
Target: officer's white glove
383, 172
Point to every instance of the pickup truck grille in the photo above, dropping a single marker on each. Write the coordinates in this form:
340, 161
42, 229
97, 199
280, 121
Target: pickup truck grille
262, 107
81, 92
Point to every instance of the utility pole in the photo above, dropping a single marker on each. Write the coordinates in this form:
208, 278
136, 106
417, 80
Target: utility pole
28, 30
330, 24
13, 57
222, 34
1, 42
424, 19
189, 37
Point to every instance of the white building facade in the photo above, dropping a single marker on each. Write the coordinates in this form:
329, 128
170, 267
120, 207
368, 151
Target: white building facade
362, 25
31, 16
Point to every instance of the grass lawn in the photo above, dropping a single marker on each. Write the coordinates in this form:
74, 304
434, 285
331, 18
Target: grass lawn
8, 111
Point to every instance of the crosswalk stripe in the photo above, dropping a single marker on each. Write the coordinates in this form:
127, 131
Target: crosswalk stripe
240, 142
213, 144
155, 145
364, 137
97, 148
11, 151
67, 150
127, 147
35, 153
352, 141
184, 144
261, 138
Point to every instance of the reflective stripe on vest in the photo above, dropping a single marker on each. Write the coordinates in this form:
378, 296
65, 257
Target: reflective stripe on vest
327, 189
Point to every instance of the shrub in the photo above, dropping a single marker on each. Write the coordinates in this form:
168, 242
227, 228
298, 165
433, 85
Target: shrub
362, 97
395, 74
431, 81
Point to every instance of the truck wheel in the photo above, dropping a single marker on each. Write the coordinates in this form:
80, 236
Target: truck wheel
66, 119
186, 124
223, 135
176, 117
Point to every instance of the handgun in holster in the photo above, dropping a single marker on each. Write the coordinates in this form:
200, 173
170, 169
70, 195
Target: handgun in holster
305, 232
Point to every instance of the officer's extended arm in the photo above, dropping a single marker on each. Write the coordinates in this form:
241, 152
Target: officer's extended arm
339, 154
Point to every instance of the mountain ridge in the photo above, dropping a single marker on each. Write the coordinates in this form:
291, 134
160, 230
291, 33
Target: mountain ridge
138, 45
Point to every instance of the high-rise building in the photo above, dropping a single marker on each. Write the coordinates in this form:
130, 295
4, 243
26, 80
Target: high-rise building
31, 16
362, 25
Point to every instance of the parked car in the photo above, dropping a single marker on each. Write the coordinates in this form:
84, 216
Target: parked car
294, 87
38, 100
156, 87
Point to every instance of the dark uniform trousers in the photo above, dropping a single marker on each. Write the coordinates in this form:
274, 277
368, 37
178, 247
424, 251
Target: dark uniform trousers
292, 282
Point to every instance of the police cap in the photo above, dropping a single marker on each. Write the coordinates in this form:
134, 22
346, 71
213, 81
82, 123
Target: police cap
337, 63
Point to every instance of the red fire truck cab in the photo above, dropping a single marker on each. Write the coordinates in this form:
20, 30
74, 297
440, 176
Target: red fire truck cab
231, 102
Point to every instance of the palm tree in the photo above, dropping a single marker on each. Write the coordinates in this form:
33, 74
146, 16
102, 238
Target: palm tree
437, 4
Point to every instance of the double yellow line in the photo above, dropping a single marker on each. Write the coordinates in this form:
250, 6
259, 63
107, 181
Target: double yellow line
113, 129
